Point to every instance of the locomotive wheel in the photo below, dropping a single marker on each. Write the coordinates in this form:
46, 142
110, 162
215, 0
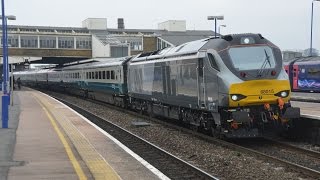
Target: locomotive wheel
194, 128
216, 132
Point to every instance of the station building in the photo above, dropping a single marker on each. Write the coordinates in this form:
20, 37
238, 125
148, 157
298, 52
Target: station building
61, 45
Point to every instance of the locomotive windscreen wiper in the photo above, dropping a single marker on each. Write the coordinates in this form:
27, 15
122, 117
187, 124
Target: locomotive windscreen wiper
264, 64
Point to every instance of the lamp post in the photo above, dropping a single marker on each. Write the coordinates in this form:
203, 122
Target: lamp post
223, 25
311, 27
5, 96
5, 52
215, 18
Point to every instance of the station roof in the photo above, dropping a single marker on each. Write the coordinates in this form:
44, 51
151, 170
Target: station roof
305, 60
174, 37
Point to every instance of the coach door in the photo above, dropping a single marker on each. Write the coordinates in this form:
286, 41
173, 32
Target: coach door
201, 84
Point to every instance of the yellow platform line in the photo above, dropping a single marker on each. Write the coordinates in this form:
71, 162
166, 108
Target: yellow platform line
70, 154
99, 168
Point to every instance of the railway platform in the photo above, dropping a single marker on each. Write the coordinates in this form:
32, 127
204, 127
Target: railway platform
48, 140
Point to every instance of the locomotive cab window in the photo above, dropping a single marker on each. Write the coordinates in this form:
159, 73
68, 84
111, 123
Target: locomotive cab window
252, 57
213, 62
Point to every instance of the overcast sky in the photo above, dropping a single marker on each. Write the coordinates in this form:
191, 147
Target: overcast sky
284, 22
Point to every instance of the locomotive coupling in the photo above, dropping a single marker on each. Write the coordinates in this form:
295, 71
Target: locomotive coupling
241, 116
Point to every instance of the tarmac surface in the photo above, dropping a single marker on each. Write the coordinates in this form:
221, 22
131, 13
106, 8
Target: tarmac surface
8, 139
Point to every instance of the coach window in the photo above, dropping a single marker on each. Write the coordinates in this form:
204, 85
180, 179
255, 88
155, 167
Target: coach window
108, 74
99, 74
103, 74
112, 74
213, 62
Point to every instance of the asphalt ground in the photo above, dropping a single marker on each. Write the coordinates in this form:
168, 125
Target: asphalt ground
8, 138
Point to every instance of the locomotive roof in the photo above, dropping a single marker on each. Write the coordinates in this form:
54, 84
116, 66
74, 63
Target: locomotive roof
102, 62
183, 49
193, 47
305, 60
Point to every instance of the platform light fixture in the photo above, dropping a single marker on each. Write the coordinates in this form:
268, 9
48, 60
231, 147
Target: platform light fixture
215, 18
311, 27
222, 25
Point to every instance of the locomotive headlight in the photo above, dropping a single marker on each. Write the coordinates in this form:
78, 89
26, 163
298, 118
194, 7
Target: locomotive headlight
234, 97
284, 94
237, 97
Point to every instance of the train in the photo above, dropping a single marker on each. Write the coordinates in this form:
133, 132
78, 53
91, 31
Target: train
304, 74
233, 86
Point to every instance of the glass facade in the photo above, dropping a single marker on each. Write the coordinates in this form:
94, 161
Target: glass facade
119, 51
83, 42
29, 41
162, 44
47, 42
135, 42
66, 42
13, 41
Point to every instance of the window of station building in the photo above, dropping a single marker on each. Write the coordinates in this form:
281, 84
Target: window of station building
27, 30
47, 42
119, 51
66, 42
12, 29
136, 45
96, 75
135, 42
29, 41
46, 30
13, 41
83, 42
92, 75
64, 31
81, 31
89, 73
162, 44
103, 75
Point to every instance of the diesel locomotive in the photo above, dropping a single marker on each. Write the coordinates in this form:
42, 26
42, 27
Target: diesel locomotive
233, 86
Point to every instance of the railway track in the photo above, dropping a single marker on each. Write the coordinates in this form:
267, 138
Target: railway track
299, 99
170, 165
286, 162
302, 160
